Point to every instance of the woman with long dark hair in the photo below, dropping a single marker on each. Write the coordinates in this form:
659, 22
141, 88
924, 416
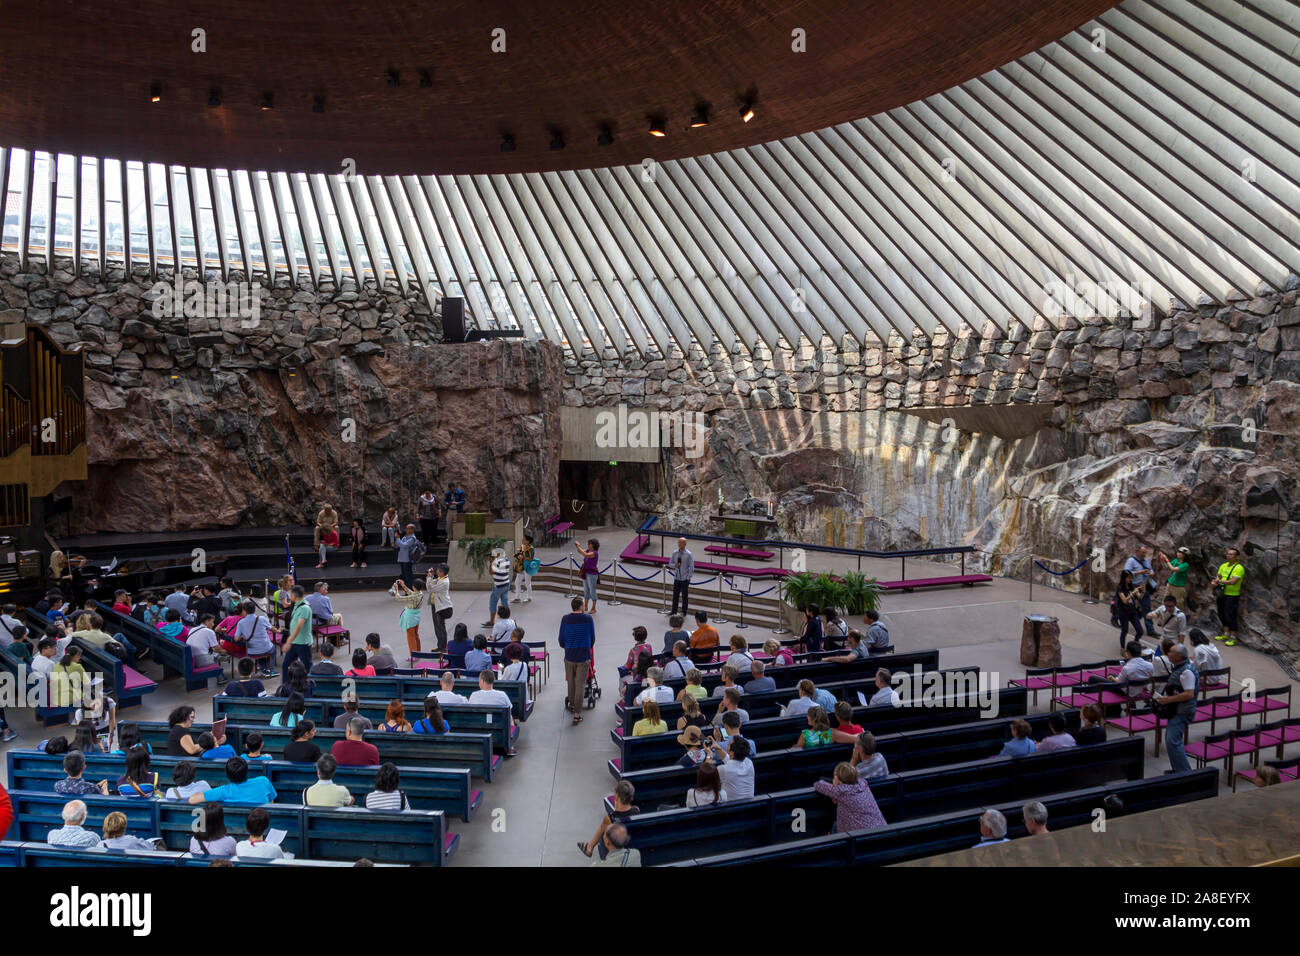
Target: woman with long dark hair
87, 739
211, 838
708, 787
294, 710
1127, 607
139, 780
296, 681
432, 722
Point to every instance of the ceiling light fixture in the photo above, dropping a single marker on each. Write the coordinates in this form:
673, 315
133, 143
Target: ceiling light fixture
701, 117
557, 141
268, 101
657, 128
507, 143
747, 112
155, 92
606, 138
393, 78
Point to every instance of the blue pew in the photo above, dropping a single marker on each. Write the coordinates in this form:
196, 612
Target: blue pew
176, 658
427, 789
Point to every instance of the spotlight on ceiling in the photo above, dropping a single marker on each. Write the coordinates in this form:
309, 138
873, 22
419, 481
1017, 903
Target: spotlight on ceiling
700, 117
155, 92
318, 104
606, 138
268, 101
214, 97
657, 128
426, 79
557, 141
747, 112
507, 143
393, 78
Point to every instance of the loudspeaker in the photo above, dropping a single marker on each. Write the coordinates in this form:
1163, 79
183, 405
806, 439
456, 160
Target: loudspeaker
453, 319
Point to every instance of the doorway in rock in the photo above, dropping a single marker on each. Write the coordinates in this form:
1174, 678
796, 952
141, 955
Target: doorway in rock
596, 493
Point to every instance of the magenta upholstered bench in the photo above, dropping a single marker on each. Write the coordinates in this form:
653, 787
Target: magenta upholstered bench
752, 554
911, 584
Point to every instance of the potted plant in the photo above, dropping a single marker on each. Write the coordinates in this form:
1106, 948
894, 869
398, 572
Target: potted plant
478, 552
851, 593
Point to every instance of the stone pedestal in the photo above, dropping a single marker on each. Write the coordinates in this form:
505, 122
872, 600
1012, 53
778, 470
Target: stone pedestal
1040, 641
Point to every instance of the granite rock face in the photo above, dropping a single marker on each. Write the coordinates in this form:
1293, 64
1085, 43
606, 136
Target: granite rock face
330, 395
1180, 429
1176, 428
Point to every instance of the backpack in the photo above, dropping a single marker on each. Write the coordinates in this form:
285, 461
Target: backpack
416, 551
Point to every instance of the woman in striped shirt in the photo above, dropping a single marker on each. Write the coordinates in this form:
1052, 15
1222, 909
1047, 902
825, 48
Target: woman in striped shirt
387, 794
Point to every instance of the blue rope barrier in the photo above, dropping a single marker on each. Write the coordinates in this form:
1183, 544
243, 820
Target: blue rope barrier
634, 577
700, 584
605, 568
553, 563
1063, 573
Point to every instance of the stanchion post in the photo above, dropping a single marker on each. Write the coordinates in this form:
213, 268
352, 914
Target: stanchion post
615, 602
718, 617
741, 626
663, 590
780, 608
570, 594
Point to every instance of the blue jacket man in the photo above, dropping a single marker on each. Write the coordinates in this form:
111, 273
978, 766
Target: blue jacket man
578, 638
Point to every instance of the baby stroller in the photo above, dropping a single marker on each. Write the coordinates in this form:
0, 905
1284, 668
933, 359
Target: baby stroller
591, 692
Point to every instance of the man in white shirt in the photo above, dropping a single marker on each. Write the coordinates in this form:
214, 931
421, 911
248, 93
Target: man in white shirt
72, 833
487, 694
654, 689
445, 693
680, 663
1170, 620
1136, 668
504, 626
258, 822
7, 624
203, 642
44, 660
736, 769
885, 694
804, 702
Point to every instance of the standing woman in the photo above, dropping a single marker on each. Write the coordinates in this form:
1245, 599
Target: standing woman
590, 572
812, 629
358, 543
1127, 607
523, 583
438, 584
410, 598
388, 528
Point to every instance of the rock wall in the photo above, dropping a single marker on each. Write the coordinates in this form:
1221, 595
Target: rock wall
340, 395
1177, 430
1038, 443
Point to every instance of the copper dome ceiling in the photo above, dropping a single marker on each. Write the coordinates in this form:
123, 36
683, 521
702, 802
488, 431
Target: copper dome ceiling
77, 78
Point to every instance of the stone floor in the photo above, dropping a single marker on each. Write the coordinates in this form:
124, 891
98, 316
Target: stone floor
548, 797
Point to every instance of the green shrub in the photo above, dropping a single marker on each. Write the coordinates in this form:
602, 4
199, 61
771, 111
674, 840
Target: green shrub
478, 551
852, 593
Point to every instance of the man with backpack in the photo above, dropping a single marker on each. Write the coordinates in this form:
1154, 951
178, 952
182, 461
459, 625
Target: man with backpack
1179, 694
409, 551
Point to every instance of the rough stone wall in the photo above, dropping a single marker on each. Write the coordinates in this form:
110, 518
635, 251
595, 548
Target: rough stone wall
333, 394
202, 421
1180, 429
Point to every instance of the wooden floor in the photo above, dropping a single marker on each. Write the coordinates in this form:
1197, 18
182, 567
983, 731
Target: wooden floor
1249, 828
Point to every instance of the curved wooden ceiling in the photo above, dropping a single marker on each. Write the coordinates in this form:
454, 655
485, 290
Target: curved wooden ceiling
77, 77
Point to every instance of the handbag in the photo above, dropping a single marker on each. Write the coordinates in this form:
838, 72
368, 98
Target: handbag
532, 566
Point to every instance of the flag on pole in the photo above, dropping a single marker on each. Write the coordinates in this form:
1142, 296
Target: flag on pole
288, 557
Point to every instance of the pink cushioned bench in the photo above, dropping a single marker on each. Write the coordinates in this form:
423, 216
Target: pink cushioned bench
450, 842
911, 584
133, 680
752, 554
